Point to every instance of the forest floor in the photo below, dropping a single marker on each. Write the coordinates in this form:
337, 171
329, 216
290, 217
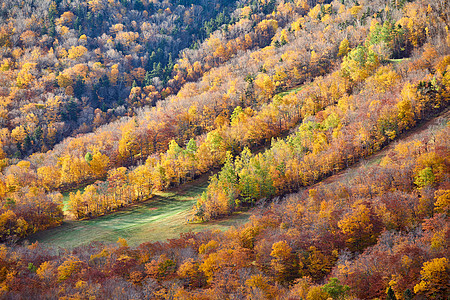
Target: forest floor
164, 216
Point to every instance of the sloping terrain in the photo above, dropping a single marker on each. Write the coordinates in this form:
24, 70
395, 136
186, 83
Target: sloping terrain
321, 112
163, 217
423, 129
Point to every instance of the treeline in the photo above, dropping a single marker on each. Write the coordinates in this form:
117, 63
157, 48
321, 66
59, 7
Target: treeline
380, 231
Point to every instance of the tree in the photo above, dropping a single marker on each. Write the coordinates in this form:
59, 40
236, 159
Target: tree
189, 270
360, 227
68, 268
316, 293
257, 284
442, 201
24, 78
435, 279
77, 51
408, 295
49, 177
266, 84
129, 145
424, 178
141, 178
405, 115
359, 63
47, 271
284, 262
99, 164
335, 289
344, 47
11, 227
76, 205
88, 157
390, 295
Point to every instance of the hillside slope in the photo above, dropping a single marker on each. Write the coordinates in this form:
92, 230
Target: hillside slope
383, 224
364, 74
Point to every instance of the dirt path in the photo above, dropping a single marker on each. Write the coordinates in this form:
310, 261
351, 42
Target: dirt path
413, 134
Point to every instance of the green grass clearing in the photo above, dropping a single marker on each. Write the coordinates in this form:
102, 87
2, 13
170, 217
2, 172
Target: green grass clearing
294, 90
397, 60
163, 217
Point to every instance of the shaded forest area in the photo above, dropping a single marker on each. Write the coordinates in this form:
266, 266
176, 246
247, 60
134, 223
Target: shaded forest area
68, 67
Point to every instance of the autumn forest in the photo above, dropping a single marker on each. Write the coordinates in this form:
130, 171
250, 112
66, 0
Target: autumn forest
326, 121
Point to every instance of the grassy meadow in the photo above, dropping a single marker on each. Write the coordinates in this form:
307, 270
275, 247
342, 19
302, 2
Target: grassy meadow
163, 217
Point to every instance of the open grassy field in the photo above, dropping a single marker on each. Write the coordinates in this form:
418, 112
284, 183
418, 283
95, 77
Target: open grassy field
163, 217
293, 90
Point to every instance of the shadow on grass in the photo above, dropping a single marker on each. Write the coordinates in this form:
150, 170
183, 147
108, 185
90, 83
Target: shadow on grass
163, 217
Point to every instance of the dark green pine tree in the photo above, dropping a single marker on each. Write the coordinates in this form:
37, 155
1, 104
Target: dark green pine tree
408, 295
390, 294
148, 79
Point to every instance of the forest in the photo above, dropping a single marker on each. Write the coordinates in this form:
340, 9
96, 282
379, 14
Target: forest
309, 114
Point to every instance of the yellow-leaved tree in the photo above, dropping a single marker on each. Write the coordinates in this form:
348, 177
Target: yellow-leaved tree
359, 63
360, 227
435, 279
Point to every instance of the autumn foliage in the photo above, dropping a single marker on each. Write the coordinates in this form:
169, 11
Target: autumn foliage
103, 101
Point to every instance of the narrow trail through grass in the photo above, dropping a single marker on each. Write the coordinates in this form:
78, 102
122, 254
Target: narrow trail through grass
163, 217
426, 127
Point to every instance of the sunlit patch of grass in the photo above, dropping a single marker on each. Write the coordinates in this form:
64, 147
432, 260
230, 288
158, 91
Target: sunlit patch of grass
163, 217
